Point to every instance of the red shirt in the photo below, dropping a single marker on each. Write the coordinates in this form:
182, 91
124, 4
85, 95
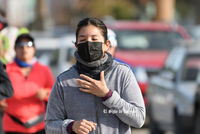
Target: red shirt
24, 104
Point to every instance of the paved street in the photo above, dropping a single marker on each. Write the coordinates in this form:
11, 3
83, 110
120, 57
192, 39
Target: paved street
140, 131
144, 131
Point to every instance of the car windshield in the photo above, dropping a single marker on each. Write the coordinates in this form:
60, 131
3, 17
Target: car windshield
48, 57
191, 67
143, 40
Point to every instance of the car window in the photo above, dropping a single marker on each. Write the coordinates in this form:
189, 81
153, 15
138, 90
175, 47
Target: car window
70, 55
129, 39
135, 41
47, 56
173, 63
175, 59
191, 67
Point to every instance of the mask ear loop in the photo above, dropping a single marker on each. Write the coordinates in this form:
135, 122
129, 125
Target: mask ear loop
107, 43
75, 44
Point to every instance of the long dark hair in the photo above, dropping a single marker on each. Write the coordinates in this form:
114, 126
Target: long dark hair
92, 21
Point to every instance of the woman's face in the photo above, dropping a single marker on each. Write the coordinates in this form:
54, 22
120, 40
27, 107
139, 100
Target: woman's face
25, 53
93, 34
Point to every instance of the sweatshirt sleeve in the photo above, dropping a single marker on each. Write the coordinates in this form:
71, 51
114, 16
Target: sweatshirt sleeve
129, 106
6, 89
56, 120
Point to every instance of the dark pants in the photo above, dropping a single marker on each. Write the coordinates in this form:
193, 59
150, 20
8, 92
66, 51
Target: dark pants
40, 132
1, 129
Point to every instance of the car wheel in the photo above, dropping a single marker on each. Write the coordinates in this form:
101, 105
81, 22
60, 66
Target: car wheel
154, 128
179, 129
153, 124
197, 122
177, 124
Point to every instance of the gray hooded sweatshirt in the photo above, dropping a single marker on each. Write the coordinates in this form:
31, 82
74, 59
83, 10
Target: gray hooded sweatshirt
115, 115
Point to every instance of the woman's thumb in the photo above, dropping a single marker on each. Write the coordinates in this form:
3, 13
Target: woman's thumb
102, 75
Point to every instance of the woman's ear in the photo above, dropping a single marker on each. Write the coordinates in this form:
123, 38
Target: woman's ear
107, 44
76, 45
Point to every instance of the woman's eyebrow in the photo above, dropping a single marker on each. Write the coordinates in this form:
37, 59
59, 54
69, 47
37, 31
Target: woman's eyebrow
91, 35
95, 35
81, 36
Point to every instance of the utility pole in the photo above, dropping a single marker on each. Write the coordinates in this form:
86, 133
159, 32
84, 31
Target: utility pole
164, 10
196, 4
40, 13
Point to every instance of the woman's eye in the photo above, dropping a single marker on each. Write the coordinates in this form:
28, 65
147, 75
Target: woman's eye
82, 40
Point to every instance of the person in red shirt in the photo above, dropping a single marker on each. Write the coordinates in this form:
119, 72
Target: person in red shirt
32, 83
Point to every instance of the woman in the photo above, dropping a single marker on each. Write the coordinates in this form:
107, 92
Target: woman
32, 83
97, 94
6, 89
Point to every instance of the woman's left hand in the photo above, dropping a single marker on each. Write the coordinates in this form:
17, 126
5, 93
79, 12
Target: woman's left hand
96, 87
3, 105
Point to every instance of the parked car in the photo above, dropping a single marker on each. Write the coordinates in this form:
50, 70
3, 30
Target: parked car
66, 52
145, 45
47, 50
173, 94
57, 52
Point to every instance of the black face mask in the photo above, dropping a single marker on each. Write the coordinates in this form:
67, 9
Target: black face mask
90, 51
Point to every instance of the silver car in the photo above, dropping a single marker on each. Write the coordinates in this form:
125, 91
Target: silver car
173, 94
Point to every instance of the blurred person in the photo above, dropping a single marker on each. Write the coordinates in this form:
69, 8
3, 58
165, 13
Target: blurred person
113, 46
3, 48
1, 25
97, 94
11, 33
6, 89
32, 82
113, 39
3, 22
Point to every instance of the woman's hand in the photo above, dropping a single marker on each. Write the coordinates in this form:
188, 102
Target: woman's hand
42, 94
3, 105
83, 126
98, 88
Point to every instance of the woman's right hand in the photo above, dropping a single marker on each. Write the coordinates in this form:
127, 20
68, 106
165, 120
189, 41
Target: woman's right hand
42, 94
83, 126
3, 105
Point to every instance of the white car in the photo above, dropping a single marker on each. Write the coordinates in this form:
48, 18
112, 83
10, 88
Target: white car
66, 52
172, 103
57, 52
